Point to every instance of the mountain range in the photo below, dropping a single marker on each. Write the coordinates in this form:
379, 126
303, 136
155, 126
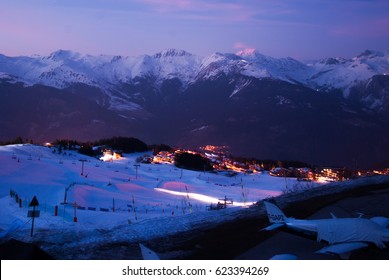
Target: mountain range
334, 111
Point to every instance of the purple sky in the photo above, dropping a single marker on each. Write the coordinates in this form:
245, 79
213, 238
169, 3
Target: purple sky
303, 29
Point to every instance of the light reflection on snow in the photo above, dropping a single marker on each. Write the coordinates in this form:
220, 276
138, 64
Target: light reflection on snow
106, 157
201, 197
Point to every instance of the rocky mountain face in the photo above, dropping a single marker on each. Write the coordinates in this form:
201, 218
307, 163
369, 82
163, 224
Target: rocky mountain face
334, 112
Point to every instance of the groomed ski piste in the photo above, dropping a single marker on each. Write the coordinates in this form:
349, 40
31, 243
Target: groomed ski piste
118, 201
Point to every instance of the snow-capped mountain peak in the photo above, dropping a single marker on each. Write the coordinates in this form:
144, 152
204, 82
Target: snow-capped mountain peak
333, 61
370, 54
172, 53
61, 55
247, 53
344, 74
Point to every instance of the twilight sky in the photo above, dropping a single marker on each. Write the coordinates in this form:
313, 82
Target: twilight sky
303, 29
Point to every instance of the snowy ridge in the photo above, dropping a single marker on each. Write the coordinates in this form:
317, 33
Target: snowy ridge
63, 68
286, 69
340, 73
179, 64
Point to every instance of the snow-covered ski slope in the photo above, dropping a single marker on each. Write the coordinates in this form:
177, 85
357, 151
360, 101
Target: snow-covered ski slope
161, 200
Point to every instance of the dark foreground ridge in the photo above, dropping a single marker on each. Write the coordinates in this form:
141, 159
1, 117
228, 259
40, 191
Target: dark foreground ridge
17, 250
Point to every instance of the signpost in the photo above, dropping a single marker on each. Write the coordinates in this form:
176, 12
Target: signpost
34, 213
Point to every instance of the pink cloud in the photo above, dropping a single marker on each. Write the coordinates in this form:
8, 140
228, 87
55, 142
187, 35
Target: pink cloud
238, 46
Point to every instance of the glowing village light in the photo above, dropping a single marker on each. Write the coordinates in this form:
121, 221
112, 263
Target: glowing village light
110, 156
